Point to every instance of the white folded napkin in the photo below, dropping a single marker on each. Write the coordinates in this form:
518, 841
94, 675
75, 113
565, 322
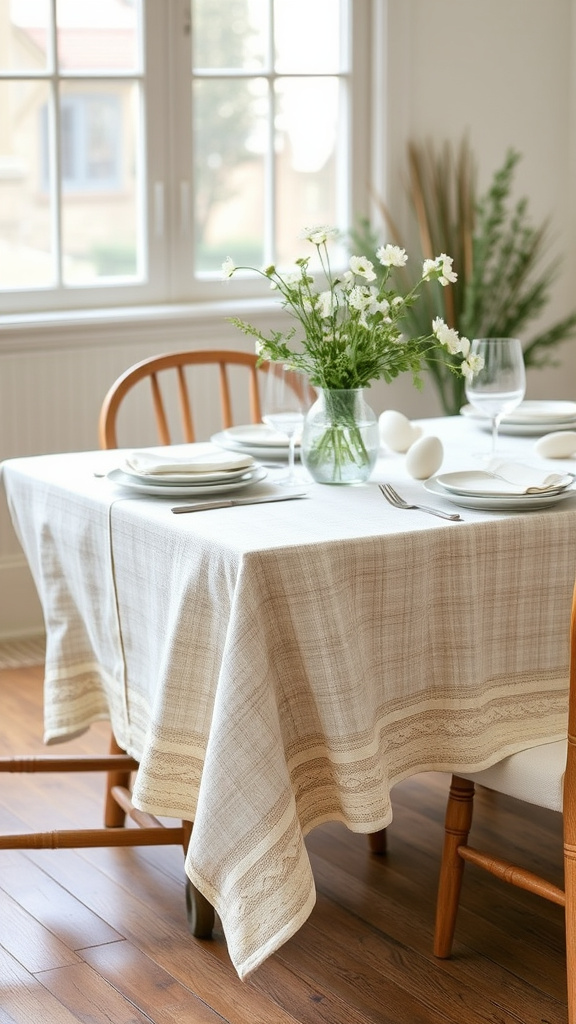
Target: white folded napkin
527, 479
202, 458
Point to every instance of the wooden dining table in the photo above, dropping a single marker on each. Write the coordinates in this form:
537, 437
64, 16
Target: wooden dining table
276, 666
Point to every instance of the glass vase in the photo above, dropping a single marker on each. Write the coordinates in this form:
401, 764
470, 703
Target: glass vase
340, 438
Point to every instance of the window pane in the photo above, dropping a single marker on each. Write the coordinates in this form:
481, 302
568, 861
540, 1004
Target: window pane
305, 159
230, 142
307, 36
97, 35
24, 35
26, 143
229, 33
100, 163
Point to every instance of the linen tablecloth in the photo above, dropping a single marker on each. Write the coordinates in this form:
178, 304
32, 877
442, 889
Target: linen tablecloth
273, 667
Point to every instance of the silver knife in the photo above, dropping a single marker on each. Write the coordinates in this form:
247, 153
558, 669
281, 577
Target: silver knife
202, 506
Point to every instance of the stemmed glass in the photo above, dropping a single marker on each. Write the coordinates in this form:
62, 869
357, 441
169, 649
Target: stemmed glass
500, 385
283, 407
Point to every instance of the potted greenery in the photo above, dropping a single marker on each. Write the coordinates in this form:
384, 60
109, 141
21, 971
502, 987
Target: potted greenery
504, 277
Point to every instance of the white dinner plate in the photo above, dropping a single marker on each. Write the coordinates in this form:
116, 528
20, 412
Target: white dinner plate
117, 476
257, 451
500, 503
529, 411
474, 482
256, 435
530, 419
188, 479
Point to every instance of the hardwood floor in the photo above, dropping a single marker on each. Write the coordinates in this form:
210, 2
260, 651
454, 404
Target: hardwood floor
100, 936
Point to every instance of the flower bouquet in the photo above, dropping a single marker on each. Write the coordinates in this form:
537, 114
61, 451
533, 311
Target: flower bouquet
348, 333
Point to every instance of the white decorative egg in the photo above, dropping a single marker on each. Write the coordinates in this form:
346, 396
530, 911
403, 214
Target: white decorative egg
396, 430
424, 457
559, 445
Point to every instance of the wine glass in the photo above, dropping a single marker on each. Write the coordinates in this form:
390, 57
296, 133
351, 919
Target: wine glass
283, 408
500, 385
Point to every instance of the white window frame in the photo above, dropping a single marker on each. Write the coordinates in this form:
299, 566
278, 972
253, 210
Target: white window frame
167, 189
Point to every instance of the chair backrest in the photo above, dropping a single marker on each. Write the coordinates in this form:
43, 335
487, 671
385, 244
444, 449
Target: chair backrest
176, 363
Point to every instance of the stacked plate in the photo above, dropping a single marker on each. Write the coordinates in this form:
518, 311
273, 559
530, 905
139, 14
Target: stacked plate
256, 439
530, 419
484, 490
185, 471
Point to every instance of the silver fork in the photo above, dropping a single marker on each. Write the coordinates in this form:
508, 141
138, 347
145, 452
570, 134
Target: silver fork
395, 499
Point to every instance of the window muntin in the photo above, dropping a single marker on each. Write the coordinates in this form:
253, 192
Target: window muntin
176, 196
276, 176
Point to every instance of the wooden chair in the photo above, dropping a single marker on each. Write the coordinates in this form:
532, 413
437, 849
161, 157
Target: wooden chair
545, 776
175, 363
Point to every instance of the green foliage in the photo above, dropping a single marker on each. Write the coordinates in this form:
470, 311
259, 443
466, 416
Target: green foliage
348, 332
504, 275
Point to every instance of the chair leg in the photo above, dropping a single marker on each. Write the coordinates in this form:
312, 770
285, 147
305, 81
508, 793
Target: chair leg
570, 911
570, 876
114, 815
377, 841
457, 827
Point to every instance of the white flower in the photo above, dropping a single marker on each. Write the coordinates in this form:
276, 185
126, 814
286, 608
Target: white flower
228, 267
447, 336
379, 307
293, 275
448, 276
391, 256
346, 281
258, 347
360, 298
464, 347
441, 269
326, 304
319, 234
471, 366
362, 267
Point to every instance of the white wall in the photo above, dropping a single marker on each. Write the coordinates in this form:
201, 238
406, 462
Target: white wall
503, 70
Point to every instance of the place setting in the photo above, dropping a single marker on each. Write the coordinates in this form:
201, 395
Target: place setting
529, 419
503, 486
186, 470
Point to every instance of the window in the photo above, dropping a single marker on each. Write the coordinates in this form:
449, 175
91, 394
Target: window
143, 141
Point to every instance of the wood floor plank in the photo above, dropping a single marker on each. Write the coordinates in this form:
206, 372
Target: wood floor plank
24, 1000
152, 989
89, 997
26, 939
65, 916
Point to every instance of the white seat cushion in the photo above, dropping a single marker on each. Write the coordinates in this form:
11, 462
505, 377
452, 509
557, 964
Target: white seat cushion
535, 775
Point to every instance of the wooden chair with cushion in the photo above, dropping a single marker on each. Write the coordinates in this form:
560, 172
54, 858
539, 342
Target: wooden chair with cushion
543, 775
